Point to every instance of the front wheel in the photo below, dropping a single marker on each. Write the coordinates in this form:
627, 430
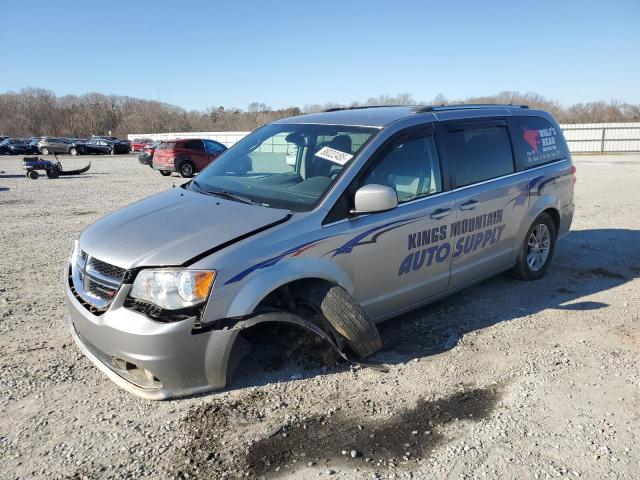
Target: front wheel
44, 151
112, 151
73, 151
537, 249
165, 173
345, 316
187, 169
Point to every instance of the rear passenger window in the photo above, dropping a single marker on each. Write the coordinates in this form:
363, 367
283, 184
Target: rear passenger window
479, 153
536, 142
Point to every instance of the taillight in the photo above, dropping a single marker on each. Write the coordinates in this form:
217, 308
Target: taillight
573, 174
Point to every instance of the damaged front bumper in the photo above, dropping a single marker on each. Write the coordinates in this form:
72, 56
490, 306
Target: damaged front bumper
151, 359
157, 360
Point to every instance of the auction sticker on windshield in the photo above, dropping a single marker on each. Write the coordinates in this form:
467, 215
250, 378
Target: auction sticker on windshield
333, 155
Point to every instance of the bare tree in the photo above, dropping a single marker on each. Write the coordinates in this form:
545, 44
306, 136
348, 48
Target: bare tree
35, 111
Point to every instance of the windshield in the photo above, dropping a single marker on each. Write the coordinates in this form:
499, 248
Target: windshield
284, 166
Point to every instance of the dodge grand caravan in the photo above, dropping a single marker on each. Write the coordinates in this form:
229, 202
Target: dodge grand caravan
332, 222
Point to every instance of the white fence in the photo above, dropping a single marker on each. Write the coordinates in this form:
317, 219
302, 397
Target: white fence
602, 137
581, 138
226, 138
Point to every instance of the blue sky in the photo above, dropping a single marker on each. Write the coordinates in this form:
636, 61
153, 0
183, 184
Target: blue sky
198, 54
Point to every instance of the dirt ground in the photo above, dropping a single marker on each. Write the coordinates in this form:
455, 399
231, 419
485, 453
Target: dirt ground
504, 380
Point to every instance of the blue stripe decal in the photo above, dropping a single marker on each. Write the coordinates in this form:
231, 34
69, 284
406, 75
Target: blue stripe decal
356, 241
273, 260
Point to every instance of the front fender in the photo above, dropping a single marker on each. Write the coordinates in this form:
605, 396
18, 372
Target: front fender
264, 282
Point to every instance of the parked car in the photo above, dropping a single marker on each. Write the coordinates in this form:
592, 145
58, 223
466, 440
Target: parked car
185, 156
384, 210
138, 143
16, 146
145, 156
47, 145
105, 146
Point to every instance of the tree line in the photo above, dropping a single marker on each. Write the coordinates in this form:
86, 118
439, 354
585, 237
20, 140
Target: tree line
36, 111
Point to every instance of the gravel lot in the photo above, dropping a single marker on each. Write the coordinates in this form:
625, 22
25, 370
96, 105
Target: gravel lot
504, 380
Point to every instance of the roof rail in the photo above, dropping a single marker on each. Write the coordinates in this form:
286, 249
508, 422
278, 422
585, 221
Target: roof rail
338, 109
465, 106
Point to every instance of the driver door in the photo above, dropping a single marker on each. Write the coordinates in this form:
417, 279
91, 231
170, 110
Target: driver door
402, 256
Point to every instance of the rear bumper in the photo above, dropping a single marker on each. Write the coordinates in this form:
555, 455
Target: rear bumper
162, 165
145, 159
153, 360
566, 218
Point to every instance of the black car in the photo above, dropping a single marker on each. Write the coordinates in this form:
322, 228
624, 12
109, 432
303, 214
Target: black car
145, 156
104, 145
15, 146
47, 145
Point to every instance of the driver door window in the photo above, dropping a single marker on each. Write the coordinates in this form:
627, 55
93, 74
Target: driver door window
410, 166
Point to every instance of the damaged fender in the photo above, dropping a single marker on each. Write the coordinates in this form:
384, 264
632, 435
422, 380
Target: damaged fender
221, 342
288, 271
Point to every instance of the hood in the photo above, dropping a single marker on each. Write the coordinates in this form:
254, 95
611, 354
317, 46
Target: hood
171, 228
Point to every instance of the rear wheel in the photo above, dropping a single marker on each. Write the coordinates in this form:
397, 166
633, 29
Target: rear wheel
32, 174
112, 151
187, 169
537, 249
346, 316
165, 173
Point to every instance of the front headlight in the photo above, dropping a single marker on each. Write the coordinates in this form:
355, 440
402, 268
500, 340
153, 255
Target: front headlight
173, 289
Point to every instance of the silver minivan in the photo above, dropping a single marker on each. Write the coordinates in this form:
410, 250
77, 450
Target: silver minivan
332, 222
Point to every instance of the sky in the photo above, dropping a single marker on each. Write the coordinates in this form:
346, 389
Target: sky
200, 54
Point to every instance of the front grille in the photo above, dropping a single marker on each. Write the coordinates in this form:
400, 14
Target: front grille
107, 269
95, 283
105, 293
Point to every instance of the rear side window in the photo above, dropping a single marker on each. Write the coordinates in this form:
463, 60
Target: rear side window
193, 145
479, 153
166, 145
536, 141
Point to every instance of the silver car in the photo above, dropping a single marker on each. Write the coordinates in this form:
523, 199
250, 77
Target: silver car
333, 222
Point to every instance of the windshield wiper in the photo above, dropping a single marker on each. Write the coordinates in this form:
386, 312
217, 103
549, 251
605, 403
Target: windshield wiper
224, 194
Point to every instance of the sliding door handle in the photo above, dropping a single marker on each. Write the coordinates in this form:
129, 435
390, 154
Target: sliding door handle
440, 213
470, 205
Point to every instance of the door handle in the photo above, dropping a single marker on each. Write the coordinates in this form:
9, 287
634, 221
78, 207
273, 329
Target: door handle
470, 205
440, 213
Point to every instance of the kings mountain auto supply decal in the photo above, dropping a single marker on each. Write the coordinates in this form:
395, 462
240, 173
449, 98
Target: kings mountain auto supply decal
425, 246
428, 246
543, 144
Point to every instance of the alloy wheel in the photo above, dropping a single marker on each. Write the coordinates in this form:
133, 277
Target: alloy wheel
538, 247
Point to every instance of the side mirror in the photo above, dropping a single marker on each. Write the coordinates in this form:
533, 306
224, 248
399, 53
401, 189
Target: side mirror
375, 198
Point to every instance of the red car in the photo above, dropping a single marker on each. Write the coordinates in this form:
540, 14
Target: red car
187, 156
138, 144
